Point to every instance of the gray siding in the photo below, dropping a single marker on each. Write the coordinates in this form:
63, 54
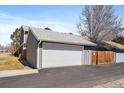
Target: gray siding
32, 50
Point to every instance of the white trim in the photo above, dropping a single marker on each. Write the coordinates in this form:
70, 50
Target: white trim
38, 62
82, 55
115, 61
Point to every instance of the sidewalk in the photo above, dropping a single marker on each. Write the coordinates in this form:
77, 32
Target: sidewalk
9, 73
114, 84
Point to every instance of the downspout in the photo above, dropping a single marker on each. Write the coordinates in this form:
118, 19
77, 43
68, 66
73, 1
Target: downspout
38, 61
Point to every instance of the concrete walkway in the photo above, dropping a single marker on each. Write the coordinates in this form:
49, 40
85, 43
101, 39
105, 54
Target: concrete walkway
112, 84
10, 73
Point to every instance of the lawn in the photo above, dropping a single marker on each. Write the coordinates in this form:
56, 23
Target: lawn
9, 62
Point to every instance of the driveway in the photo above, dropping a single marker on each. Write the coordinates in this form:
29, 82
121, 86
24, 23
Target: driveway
77, 76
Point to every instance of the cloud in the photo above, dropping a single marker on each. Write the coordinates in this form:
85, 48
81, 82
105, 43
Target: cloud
8, 23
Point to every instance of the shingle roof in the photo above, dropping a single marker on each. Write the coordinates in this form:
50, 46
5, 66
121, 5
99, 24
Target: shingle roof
114, 44
52, 36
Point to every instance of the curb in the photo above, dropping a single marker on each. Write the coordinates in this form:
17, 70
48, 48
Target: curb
10, 73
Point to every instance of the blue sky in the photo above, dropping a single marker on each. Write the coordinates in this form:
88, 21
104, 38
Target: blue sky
58, 18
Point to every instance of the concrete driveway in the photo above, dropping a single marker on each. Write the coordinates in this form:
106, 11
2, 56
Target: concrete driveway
77, 76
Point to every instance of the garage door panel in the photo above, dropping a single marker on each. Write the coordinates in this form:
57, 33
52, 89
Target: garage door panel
60, 56
119, 57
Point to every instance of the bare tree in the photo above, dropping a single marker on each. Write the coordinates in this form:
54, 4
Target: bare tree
10, 48
99, 22
1, 47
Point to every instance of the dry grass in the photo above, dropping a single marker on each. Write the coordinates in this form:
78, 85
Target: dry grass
9, 62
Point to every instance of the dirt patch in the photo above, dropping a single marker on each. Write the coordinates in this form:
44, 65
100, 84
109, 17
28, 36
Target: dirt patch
9, 62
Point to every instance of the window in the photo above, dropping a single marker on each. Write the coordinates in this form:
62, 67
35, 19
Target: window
26, 32
24, 45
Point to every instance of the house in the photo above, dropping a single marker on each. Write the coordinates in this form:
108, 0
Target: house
46, 49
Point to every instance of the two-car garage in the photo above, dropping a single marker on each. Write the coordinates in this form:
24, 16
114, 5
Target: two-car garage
58, 55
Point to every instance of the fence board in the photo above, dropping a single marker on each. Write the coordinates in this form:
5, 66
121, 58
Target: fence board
102, 57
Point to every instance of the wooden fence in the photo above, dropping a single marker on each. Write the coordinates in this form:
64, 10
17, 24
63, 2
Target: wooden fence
102, 57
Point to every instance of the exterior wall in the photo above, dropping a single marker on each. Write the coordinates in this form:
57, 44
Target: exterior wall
24, 54
58, 55
87, 57
23, 39
32, 50
23, 43
119, 57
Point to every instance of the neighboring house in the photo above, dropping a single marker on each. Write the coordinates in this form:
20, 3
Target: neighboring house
21, 51
46, 49
117, 48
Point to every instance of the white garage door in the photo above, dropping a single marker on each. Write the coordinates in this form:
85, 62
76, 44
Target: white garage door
58, 55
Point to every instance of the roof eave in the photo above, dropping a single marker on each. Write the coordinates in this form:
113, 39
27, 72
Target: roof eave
81, 44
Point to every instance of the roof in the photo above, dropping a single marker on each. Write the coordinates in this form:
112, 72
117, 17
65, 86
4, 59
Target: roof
52, 36
25, 28
114, 44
